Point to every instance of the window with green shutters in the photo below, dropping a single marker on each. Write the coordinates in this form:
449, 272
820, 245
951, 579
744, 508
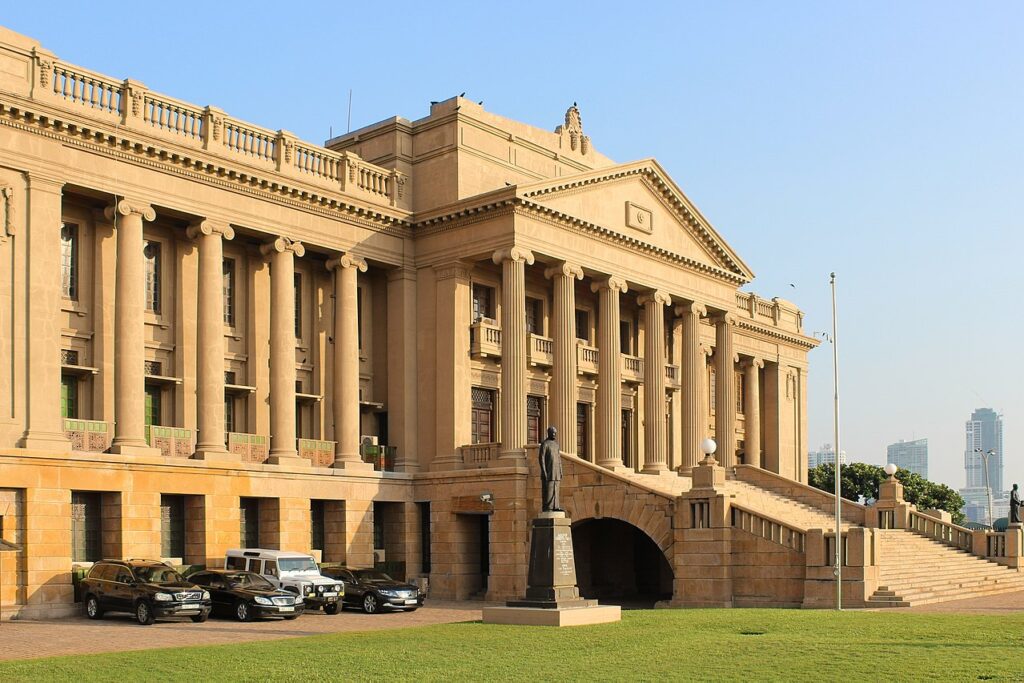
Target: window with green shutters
69, 396
153, 406
86, 526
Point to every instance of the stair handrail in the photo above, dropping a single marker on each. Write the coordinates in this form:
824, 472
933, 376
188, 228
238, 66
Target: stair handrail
797, 536
858, 509
938, 530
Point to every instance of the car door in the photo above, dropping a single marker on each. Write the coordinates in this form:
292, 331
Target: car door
121, 589
216, 585
100, 584
353, 589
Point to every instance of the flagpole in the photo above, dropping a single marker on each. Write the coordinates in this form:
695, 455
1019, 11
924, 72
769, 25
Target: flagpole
838, 451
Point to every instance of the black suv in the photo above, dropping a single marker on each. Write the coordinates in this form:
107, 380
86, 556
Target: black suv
146, 588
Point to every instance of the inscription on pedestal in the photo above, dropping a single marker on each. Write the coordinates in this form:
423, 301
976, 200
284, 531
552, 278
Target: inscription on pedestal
565, 562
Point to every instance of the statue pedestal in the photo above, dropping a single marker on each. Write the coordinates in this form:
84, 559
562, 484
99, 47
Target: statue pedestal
552, 597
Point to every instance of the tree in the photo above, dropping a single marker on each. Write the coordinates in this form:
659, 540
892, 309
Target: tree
860, 481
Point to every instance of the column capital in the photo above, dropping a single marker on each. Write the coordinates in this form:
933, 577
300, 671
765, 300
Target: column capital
658, 296
565, 269
693, 308
43, 181
707, 350
347, 261
401, 273
753, 362
129, 207
208, 227
281, 245
611, 282
452, 270
513, 254
725, 318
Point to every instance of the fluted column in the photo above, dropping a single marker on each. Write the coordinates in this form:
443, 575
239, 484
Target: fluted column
210, 237
564, 392
752, 411
130, 327
675, 439
345, 384
282, 252
45, 428
609, 373
513, 350
655, 441
693, 373
725, 391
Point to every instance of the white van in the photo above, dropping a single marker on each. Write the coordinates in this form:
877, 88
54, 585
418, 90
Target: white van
290, 571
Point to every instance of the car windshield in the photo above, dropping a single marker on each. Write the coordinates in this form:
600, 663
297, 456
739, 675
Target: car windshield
297, 564
248, 580
157, 574
372, 575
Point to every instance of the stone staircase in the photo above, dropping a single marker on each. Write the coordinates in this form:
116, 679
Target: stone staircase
792, 511
916, 570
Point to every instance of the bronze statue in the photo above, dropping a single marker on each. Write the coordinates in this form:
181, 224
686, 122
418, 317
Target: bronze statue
1015, 506
550, 472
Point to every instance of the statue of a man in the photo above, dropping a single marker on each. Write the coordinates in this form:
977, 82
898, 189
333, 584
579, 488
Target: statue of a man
550, 472
1015, 505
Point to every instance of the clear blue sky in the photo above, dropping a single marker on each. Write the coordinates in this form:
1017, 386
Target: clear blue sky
879, 140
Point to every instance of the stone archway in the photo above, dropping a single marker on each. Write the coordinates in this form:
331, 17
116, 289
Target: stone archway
617, 562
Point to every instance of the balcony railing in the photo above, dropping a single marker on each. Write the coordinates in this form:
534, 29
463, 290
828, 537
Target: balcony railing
672, 380
632, 368
91, 436
479, 454
382, 457
485, 339
173, 442
586, 358
249, 447
319, 453
541, 350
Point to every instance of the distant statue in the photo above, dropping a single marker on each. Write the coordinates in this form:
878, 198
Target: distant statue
1015, 505
550, 472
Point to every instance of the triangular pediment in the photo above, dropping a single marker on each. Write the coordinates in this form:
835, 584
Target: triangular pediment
640, 202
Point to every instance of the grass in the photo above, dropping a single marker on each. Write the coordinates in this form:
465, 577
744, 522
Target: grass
740, 644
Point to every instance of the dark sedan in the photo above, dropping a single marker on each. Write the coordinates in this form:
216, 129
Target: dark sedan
247, 595
373, 590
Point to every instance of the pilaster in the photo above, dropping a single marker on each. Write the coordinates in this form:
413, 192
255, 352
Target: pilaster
402, 363
452, 306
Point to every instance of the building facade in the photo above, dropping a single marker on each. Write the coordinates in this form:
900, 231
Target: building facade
826, 455
215, 335
909, 455
984, 434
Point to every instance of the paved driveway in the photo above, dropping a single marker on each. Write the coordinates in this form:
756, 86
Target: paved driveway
117, 633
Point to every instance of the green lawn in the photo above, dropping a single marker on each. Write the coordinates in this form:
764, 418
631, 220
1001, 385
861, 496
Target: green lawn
740, 644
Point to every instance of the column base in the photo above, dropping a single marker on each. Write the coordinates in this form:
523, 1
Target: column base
135, 449
659, 468
617, 467
353, 465
288, 458
518, 454
215, 455
45, 441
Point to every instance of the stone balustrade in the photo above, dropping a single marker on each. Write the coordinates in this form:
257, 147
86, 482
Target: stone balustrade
132, 106
775, 312
672, 380
485, 339
479, 454
587, 358
541, 351
767, 528
632, 368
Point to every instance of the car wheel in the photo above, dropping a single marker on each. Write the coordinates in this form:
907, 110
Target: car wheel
370, 604
92, 608
242, 611
143, 613
200, 618
331, 608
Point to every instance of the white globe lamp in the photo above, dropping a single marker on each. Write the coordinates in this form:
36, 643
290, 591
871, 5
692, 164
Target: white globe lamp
709, 447
891, 469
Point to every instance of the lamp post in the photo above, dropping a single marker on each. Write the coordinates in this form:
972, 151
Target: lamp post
838, 492
988, 487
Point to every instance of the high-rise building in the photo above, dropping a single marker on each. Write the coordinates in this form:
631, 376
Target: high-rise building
826, 455
910, 455
984, 435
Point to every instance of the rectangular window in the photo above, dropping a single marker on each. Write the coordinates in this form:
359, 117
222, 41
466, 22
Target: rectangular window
86, 526
583, 325
249, 522
711, 389
153, 405
483, 415
151, 252
298, 306
229, 413
172, 526
359, 316
229, 292
425, 535
739, 393
535, 431
69, 260
534, 316
582, 429
483, 302
317, 521
69, 396
625, 337
627, 438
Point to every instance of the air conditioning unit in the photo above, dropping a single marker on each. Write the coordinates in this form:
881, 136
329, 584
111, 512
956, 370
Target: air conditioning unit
378, 555
368, 440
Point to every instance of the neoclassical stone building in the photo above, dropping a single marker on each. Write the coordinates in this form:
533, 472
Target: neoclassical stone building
215, 335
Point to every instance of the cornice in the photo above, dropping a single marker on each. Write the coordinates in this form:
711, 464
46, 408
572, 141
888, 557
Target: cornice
164, 156
806, 343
